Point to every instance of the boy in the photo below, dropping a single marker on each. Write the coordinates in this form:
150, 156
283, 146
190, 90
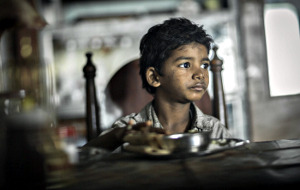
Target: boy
174, 69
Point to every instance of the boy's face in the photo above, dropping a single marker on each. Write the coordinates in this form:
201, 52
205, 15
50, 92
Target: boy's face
185, 74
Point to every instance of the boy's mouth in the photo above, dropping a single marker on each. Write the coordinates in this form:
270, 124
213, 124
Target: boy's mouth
199, 87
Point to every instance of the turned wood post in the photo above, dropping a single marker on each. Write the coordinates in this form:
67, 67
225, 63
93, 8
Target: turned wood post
219, 105
92, 107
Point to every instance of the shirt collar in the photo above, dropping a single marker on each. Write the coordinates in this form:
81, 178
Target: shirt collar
198, 117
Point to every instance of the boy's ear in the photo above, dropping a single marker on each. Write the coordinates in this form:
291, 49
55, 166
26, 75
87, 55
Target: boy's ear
152, 77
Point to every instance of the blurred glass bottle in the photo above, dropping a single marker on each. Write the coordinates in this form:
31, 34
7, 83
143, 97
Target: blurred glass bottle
32, 152
22, 68
32, 155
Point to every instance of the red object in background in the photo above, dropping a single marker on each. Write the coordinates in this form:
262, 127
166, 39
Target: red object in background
67, 131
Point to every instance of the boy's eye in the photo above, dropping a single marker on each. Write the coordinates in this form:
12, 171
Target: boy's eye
205, 65
185, 65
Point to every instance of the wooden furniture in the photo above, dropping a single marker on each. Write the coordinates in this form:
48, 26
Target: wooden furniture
219, 104
92, 107
125, 90
257, 165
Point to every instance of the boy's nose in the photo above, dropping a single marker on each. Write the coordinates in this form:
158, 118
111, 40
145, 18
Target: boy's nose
198, 74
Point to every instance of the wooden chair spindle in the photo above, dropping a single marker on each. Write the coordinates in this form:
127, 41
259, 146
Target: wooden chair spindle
92, 108
219, 105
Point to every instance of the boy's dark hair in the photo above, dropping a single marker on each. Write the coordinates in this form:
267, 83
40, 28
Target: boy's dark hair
158, 43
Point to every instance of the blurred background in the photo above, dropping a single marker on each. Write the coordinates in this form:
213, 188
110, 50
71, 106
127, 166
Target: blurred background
258, 42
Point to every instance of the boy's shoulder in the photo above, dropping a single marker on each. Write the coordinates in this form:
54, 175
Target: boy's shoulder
203, 122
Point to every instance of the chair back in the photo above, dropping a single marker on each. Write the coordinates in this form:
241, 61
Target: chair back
125, 89
219, 104
92, 116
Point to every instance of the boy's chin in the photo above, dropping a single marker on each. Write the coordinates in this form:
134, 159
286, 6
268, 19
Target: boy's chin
196, 98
